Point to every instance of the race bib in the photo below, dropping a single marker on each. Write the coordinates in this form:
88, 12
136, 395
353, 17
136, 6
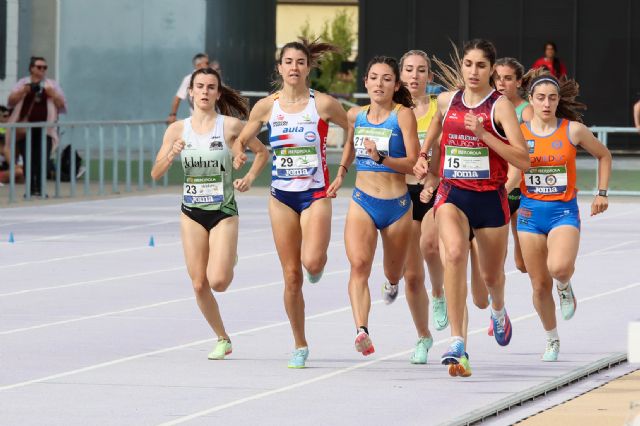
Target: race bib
203, 190
421, 136
296, 161
546, 180
380, 136
466, 163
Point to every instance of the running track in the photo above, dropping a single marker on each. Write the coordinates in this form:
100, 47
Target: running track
96, 327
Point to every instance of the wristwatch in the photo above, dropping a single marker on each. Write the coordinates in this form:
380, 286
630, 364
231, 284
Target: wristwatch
380, 158
602, 192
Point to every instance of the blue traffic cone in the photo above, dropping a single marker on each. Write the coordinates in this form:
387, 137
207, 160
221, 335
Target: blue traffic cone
152, 243
11, 239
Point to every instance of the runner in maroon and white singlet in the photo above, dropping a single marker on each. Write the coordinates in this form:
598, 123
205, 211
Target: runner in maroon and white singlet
480, 135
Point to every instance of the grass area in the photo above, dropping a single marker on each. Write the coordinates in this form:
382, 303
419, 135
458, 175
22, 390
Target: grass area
626, 180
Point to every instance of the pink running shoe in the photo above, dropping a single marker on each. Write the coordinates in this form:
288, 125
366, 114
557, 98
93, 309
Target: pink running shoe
363, 343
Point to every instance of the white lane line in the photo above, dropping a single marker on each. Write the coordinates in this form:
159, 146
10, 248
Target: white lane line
607, 216
165, 350
112, 229
154, 305
107, 252
607, 249
358, 366
119, 277
253, 330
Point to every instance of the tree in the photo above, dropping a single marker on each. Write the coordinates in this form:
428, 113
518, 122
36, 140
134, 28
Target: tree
332, 75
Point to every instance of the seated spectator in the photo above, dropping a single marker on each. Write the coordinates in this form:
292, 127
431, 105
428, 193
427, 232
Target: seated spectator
551, 61
4, 153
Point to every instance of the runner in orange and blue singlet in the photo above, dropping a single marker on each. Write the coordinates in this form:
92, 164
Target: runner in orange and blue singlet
549, 219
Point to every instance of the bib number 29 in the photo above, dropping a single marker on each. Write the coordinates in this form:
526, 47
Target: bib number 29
286, 162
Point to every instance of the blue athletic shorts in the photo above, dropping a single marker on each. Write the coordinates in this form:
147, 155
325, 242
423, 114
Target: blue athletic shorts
383, 212
298, 201
540, 217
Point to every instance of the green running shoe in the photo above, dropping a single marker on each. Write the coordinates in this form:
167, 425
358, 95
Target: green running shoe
568, 302
552, 350
298, 358
439, 308
422, 350
462, 369
222, 349
313, 278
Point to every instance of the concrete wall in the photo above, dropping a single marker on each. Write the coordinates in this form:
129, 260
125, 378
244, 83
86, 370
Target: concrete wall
124, 59
11, 68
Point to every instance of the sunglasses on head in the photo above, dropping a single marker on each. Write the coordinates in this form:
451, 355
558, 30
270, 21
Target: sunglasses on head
41, 67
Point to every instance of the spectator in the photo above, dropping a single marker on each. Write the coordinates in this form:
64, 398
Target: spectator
201, 60
4, 163
551, 61
36, 98
636, 115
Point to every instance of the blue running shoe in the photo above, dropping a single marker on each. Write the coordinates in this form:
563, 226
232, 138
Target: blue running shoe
453, 355
298, 358
502, 329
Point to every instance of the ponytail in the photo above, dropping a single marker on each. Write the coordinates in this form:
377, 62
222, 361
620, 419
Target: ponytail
402, 96
568, 91
231, 102
451, 76
313, 50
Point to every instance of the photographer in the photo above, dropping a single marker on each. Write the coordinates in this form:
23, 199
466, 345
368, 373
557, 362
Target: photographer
36, 99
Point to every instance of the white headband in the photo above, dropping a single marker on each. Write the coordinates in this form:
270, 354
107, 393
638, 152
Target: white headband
543, 80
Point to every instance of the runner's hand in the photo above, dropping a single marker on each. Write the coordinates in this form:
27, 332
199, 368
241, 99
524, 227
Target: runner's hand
176, 149
372, 150
426, 194
239, 157
243, 184
599, 205
332, 191
474, 123
421, 168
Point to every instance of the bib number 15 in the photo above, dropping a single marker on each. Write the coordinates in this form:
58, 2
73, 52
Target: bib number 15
453, 163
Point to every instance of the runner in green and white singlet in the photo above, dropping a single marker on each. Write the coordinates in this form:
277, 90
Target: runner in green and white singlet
207, 164
209, 219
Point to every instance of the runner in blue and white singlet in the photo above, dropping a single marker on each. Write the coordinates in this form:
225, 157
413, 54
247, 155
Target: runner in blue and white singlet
298, 142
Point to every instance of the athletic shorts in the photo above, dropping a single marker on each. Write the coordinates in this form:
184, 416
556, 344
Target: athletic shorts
540, 217
383, 212
298, 201
514, 200
420, 209
487, 209
207, 218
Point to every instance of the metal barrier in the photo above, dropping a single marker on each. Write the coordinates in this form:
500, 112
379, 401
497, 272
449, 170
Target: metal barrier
137, 141
602, 133
123, 140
